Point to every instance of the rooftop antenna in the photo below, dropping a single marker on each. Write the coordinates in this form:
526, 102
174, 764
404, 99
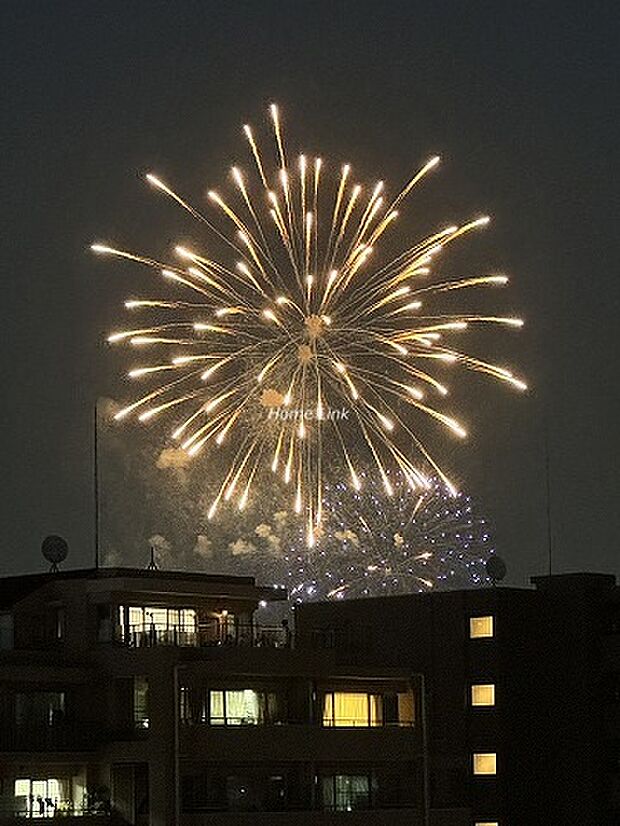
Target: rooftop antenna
54, 549
548, 488
96, 481
152, 566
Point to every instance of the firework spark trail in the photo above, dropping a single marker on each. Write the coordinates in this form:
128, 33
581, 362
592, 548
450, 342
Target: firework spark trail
295, 318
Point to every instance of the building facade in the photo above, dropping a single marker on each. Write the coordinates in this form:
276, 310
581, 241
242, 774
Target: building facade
522, 693
151, 697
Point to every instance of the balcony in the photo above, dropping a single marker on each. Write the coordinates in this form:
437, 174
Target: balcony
61, 737
66, 812
298, 741
208, 636
65, 816
35, 809
378, 817
260, 797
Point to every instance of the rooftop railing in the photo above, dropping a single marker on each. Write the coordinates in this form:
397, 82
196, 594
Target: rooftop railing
208, 636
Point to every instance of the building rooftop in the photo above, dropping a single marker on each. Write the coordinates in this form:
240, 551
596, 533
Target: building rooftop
15, 588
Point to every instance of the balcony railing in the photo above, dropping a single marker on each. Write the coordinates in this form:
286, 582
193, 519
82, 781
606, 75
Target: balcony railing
316, 724
64, 736
248, 636
41, 810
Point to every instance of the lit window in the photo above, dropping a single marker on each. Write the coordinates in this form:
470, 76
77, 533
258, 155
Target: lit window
22, 787
483, 694
342, 708
170, 625
242, 708
480, 627
486, 823
37, 798
485, 763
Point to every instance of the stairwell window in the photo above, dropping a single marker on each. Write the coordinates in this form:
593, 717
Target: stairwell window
483, 694
485, 763
481, 627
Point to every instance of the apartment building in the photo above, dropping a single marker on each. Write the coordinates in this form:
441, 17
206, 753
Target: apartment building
153, 697
522, 692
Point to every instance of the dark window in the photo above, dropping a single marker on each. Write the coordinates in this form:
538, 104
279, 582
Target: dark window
390, 709
140, 702
235, 789
348, 792
59, 623
195, 794
38, 709
131, 704
6, 631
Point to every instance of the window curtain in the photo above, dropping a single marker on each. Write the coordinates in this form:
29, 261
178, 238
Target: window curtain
346, 709
197, 705
273, 710
236, 708
243, 707
406, 712
376, 710
216, 708
352, 792
328, 710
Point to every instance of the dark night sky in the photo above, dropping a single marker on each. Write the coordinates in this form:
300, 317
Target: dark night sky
519, 98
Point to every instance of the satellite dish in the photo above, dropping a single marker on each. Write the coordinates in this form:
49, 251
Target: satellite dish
495, 568
55, 550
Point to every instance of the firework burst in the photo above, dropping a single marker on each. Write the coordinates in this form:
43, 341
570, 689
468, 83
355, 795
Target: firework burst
295, 344
372, 545
406, 543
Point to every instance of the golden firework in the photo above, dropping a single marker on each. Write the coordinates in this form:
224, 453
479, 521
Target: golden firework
295, 348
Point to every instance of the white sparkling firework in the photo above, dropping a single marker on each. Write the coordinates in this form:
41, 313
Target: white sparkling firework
374, 546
